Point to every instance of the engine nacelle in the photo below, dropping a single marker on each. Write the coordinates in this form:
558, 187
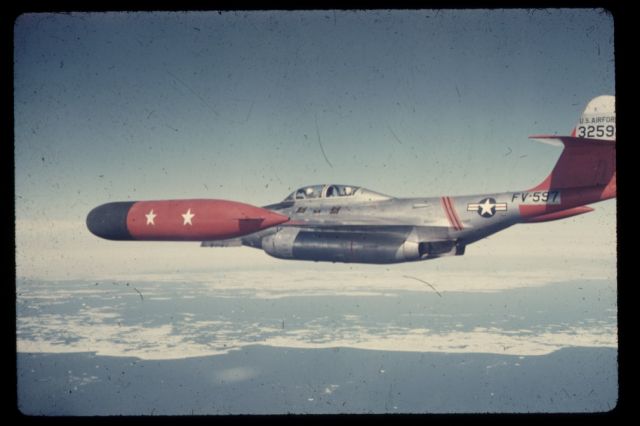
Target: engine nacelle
353, 246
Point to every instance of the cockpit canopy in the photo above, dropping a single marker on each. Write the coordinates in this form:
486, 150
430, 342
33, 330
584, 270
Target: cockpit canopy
337, 192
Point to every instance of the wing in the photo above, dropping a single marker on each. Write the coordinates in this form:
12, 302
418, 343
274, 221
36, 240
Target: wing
231, 242
389, 230
372, 221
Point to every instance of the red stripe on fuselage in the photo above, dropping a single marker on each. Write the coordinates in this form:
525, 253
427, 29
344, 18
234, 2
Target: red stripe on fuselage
446, 211
452, 207
447, 205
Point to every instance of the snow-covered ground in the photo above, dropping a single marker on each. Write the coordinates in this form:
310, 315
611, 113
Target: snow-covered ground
497, 337
165, 320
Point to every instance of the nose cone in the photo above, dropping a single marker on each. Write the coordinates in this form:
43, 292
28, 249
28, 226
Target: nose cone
110, 221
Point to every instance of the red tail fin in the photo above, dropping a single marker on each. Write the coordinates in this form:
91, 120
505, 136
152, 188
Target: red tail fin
588, 159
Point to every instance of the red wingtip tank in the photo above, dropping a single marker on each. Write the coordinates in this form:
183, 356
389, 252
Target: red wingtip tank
179, 220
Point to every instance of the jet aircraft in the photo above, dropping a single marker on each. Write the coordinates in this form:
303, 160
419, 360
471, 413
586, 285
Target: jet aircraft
348, 223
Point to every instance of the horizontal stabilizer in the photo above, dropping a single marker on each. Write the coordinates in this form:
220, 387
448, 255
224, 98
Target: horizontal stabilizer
562, 214
571, 141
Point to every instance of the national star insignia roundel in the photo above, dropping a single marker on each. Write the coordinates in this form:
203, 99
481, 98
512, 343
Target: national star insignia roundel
486, 207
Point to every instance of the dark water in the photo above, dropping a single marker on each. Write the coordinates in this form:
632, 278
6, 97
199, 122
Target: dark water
267, 380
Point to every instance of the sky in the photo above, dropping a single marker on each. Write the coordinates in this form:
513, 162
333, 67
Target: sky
241, 106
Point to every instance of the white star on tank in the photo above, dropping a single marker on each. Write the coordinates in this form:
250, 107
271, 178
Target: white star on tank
187, 218
151, 217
